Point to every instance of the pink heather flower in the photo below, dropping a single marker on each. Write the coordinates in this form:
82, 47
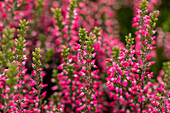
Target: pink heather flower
169, 93
138, 11
125, 83
4, 14
163, 109
150, 75
44, 85
42, 75
44, 94
18, 75
77, 47
81, 94
166, 102
151, 63
93, 96
120, 91
155, 103
58, 107
143, 32
60, 67
125, 64
30, 101
81, 108
140, 62
11, 103
149, 83
135, 25
137, 105
117, 89
160, 89
25, 91
19, 3
136, 76
126, 72
152, 48
136, 19
157, 98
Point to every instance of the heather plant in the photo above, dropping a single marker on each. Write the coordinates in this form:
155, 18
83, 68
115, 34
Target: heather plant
77, 80
129, 76
13, 58
77, 45
65, 24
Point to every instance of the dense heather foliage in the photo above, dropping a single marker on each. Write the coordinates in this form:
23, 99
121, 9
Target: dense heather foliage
77, 44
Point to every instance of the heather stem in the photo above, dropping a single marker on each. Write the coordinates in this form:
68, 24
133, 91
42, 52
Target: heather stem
72, 7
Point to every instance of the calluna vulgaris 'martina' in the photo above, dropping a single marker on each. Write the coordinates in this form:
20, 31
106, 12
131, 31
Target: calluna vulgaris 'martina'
92, 71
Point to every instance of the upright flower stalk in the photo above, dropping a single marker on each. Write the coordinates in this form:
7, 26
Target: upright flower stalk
87, 58
71, 15
21, 58
7, 43
59, 22
38, 77
129, 74
145, 40
82, 79
65, 24
66, 79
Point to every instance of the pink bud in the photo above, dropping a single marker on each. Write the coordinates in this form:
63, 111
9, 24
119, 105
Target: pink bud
151, 63
81, 94
81, 108
42, 75
44, 94
137, 105
18, 75
4, 15
163, 109
11, 103
157, 98
155, 103
135, 25
154, 37
140, 62
58, 107
150, 75
120, 91
60, 67
85, 71
169, 93
125, 83
44, 85
36, 105
93, 96
25, 91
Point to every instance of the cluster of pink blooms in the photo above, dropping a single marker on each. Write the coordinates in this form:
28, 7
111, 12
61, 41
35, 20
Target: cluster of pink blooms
20, 92
129, 80
95, 72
